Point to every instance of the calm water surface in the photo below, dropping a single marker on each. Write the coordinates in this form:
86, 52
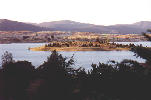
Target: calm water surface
82, 58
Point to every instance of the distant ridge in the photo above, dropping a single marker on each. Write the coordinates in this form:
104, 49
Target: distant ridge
67, 25
8, 25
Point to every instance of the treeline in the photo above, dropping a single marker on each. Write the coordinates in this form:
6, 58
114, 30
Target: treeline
131, 45
56, 79
87, 44
73, 44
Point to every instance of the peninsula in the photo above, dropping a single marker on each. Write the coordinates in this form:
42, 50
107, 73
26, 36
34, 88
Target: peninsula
81, 46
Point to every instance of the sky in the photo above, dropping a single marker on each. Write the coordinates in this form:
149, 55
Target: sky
100, 12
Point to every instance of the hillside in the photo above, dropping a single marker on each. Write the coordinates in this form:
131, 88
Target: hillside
67, 25
8, 25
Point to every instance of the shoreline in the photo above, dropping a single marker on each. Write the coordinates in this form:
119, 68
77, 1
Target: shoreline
47, 42
43, 48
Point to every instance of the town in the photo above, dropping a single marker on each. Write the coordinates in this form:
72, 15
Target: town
49, 36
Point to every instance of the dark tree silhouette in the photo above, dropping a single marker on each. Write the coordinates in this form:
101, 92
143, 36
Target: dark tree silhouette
7, 58
17, 77
143, 52
149, 30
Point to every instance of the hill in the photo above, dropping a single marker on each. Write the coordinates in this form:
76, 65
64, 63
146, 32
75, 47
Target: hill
67, 25
8, 25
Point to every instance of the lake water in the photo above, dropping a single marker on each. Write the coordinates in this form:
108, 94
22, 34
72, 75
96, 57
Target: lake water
82, 58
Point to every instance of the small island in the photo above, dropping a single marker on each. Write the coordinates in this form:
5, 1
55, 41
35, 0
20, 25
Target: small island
81, 46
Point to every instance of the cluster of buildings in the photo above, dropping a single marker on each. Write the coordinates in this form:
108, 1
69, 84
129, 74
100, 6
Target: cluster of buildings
108, 37
47, 36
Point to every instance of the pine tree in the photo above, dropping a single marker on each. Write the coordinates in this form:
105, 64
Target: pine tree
144, 52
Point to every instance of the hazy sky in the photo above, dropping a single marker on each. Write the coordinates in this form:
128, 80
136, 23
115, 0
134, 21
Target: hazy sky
102, 12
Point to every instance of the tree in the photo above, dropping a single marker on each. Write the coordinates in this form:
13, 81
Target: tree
52, 37
149, 30
56, 73
17, 77
7, 58
143, 52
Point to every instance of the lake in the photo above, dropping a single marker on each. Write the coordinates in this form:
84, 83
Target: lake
82, 58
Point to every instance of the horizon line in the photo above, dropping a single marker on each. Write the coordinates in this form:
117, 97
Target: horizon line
73, 21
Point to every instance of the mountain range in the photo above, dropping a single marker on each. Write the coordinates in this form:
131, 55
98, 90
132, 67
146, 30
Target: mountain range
67, 25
